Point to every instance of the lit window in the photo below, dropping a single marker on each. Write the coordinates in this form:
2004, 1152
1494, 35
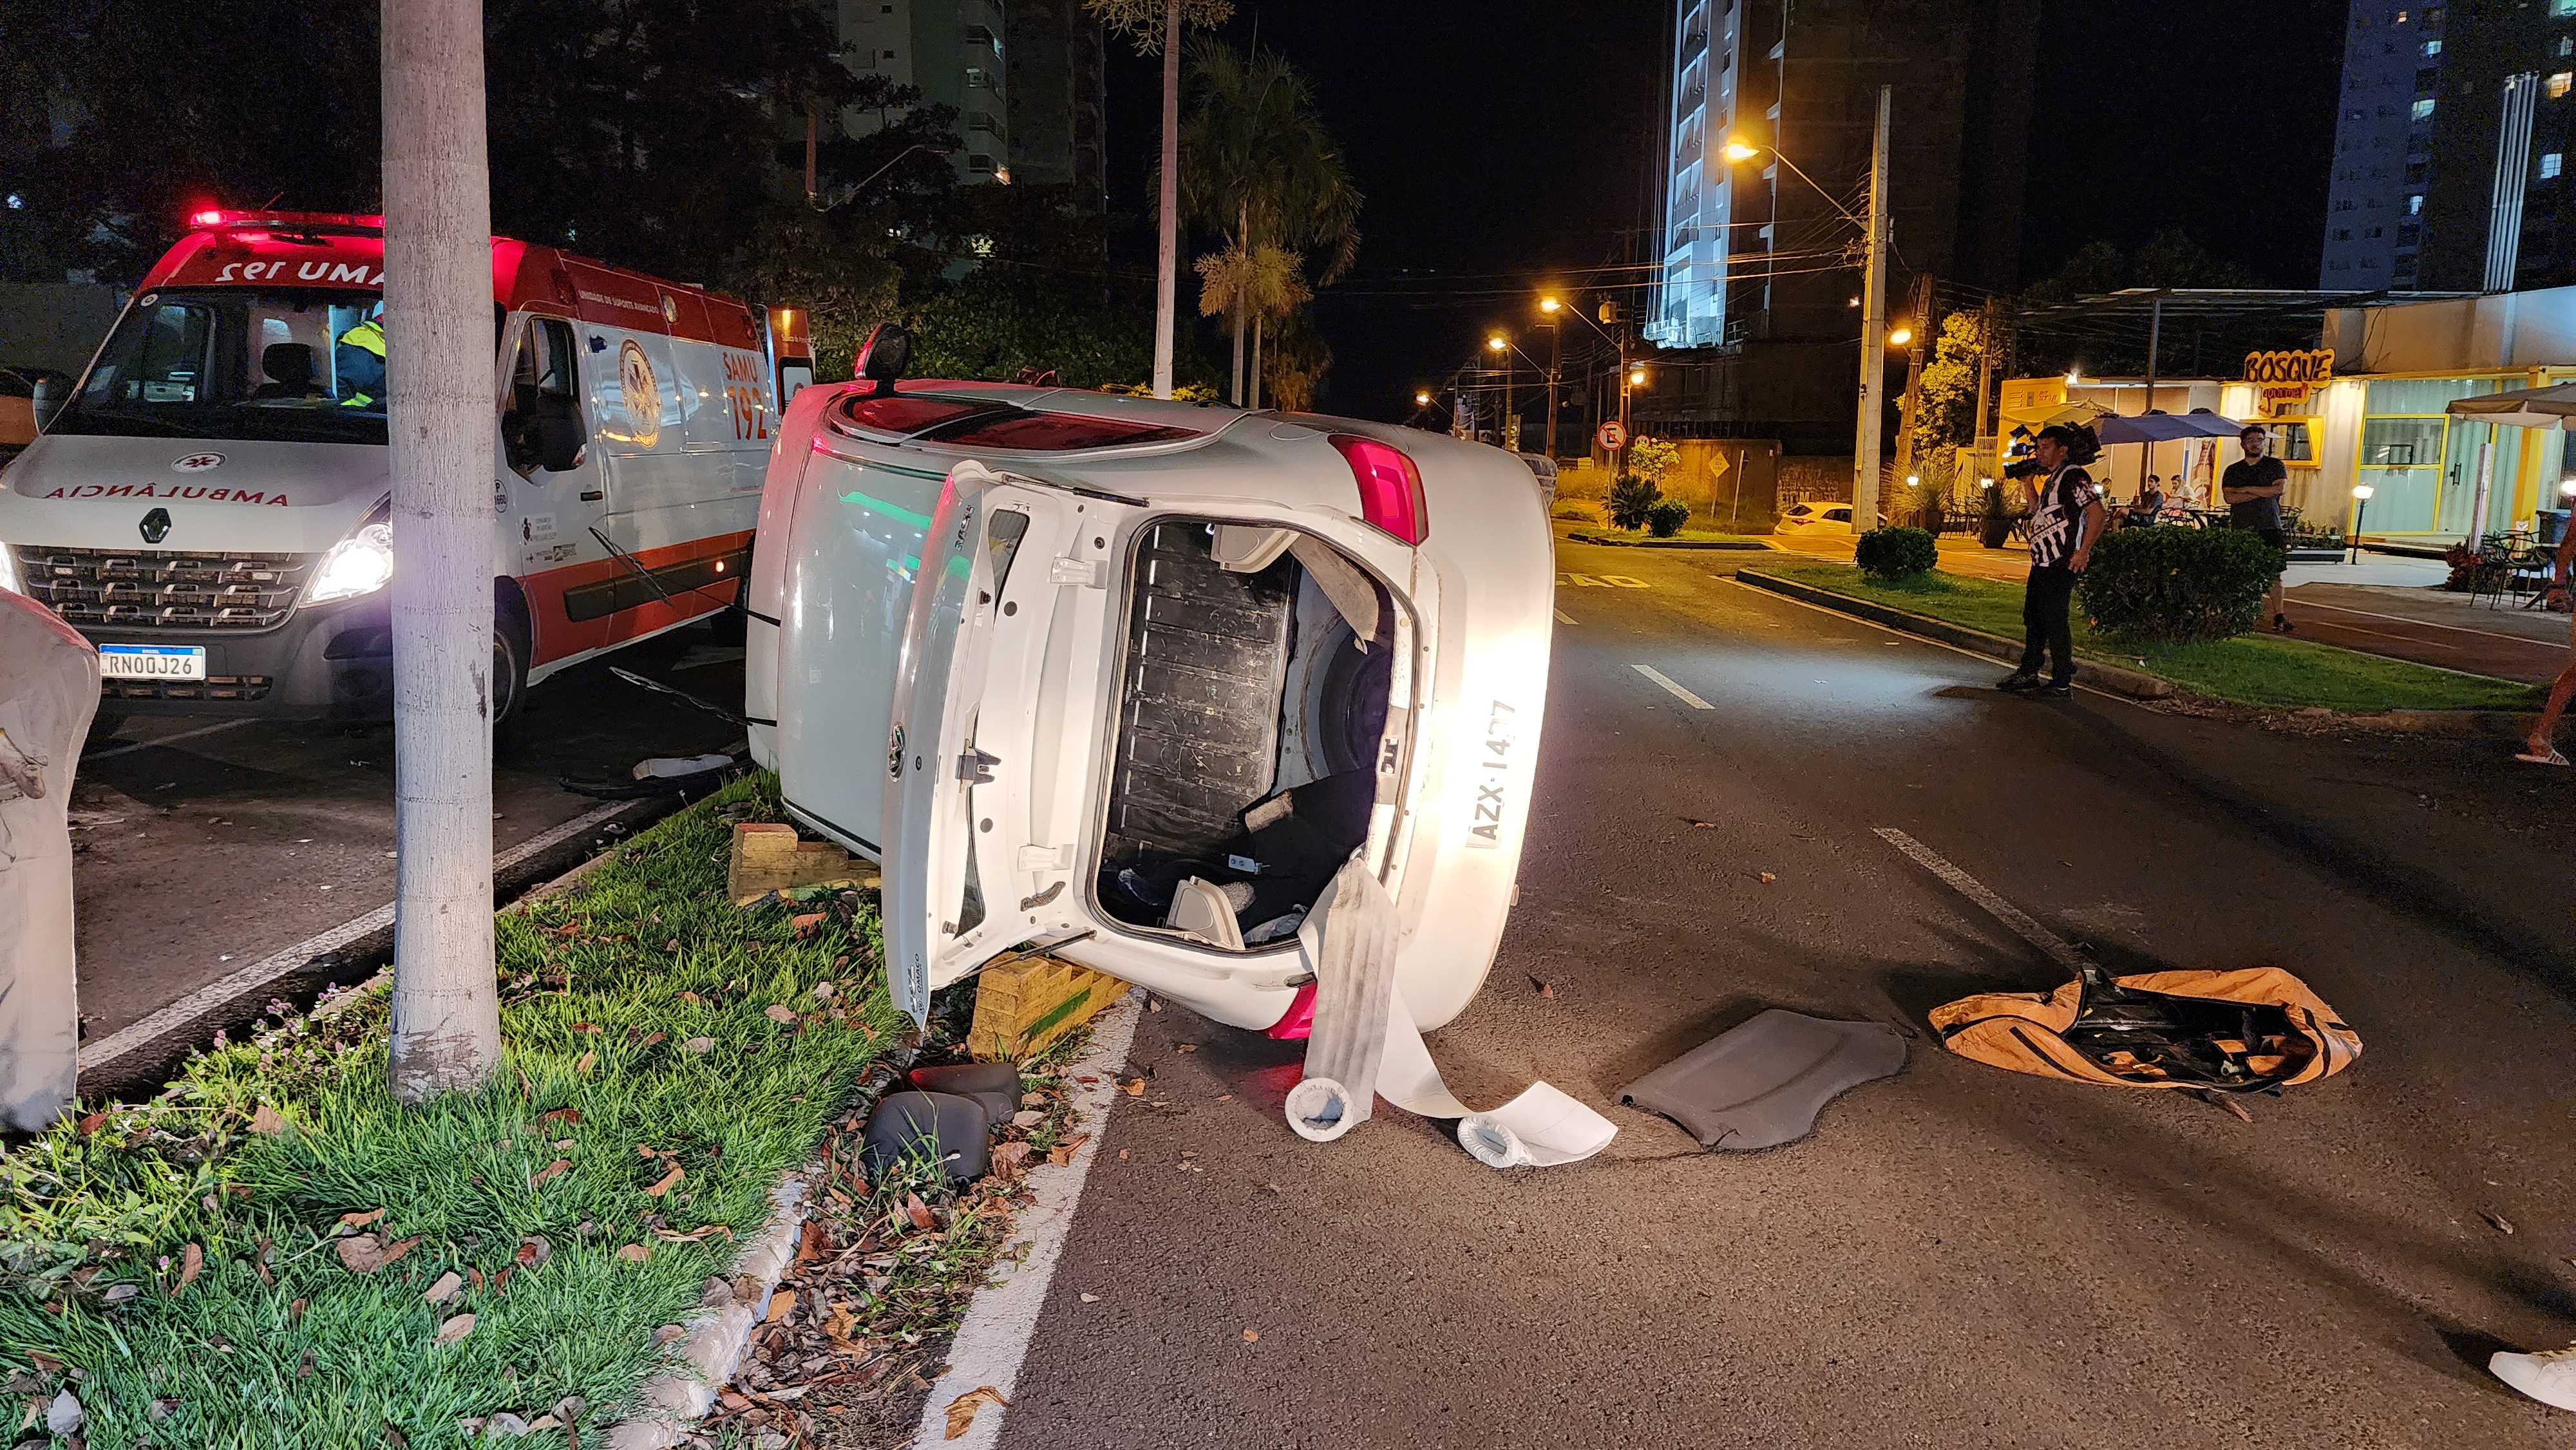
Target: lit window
2423, 109
2401, 17
2415, 204
2432, 47
2567, 45
2562, 7
2560, 83
2550, 163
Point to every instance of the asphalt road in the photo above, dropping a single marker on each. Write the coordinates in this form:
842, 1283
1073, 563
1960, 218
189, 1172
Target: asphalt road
213, 850
1959, 1256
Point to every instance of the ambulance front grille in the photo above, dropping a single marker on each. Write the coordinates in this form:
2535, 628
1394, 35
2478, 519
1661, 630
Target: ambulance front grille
152, 589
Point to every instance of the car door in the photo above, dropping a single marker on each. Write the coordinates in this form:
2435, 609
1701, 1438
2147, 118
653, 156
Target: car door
547, 513
994, 728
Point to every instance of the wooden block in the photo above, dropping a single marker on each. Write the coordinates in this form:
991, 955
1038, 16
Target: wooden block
767, 857
1022, 1007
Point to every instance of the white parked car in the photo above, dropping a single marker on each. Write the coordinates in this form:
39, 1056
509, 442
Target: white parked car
1131, 679
1814, 515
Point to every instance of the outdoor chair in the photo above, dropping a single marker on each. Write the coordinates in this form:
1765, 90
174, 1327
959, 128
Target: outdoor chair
2491, 578
2529, 575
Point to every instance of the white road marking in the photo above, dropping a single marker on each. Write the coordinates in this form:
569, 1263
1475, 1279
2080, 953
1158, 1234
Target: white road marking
2425, 624
167, 739
267, 970
1660, 678
1584, 581
1625, 581
993, 1342
2050, 945
1564, 618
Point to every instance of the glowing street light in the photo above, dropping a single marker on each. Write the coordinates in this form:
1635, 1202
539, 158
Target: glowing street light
1738, 149
2074, 376
1549, 305
1498, 342
1637, 377
1900, 337
1422, 400
2360, 503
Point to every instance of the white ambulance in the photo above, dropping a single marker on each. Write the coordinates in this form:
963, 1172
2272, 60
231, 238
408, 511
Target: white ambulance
210, 506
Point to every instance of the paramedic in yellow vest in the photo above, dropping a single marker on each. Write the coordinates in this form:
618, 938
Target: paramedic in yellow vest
359, 362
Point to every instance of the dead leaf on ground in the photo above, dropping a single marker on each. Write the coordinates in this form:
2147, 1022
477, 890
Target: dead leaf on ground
568, 1117
699, 1045
551, 1170
294, 1311
587, 1061
192, 1262
361, 1220
1134, 1087
1705, 825
361, 1253
1541, 983
781, 1304
807, 924
534, 1250
445, 1289
267, 1120
1252, 1336
1187, 1047
813, 1241
779, 1012
89, 1125
919, 1211
634, 1253
455, 1329
2503, 1225
961, 1410
1767, 877
669, 1181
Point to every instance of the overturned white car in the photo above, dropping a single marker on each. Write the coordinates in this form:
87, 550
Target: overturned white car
1131, 680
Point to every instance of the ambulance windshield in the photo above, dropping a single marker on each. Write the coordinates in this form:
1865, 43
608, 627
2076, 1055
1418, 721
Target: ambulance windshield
239, 363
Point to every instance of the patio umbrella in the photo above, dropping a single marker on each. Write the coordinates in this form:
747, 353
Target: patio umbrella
2160, 427
2522, 408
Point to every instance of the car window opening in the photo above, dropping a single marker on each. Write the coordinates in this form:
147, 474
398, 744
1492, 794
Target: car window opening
293, 365
1251, 712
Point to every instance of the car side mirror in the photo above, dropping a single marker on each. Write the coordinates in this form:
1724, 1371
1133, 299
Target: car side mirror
559, 438
887, 352
47, 398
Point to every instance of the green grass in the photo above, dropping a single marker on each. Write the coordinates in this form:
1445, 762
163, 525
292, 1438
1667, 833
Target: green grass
1680, 536
602, 990
2248, 670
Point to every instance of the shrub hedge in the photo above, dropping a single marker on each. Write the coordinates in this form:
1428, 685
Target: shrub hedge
2179, 584
1666, 517
1896, 552
1630, 499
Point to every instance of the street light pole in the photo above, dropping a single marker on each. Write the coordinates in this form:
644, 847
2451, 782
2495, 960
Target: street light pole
446, 1034
1873, 329
1555, 360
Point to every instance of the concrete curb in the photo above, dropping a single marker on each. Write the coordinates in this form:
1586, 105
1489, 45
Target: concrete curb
1749, 544
2101, 677
673, 1401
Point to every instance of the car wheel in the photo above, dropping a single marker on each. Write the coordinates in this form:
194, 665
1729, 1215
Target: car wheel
509, 668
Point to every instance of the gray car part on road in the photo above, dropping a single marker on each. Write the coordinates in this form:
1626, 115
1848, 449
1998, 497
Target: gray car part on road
49, 685
1762, 1084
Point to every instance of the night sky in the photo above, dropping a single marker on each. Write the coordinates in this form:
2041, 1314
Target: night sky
1506, 146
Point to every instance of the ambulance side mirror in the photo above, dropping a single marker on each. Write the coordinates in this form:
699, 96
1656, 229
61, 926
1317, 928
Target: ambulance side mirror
559, 439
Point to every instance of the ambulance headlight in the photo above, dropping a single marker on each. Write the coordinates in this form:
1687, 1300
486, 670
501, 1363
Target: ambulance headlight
358, 564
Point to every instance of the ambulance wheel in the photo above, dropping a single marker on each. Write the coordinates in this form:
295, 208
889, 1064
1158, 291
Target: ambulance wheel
509, 663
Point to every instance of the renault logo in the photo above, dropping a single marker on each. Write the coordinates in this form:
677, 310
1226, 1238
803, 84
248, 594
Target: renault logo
156, 526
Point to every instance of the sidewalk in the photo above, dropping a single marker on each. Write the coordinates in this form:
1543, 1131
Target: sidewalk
2384, 605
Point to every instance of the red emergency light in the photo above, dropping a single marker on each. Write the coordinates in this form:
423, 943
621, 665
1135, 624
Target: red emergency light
215, 218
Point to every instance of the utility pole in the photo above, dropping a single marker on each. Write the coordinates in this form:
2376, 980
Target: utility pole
1873, 335
1555, 362
1167, 249
438, 330
1910, 432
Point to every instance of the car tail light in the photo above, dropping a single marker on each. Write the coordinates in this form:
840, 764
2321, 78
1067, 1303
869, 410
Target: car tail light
1390, 486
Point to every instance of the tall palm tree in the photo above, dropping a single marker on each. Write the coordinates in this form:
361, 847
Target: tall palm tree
1155, 25
1259, 166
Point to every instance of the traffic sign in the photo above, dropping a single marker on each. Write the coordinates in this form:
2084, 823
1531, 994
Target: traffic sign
1612, 436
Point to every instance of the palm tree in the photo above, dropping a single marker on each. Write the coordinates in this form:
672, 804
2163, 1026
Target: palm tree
1258, 165
1260, 281
1155, 25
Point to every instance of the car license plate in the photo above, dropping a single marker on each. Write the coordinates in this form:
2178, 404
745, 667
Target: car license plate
152, 661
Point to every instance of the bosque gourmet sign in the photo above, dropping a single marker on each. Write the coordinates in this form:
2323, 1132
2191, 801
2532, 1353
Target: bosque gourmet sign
2285, 381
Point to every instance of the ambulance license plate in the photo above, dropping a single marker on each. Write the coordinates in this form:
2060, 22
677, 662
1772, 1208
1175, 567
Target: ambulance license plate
152, 661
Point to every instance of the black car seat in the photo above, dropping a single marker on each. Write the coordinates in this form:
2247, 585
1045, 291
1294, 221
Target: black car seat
289, 366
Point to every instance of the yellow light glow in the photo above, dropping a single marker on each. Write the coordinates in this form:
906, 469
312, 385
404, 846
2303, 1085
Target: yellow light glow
1739, 149
2361, 490
1913, 480
2072, 378
1498, 342
1422, 400
1637, 377
1549, 304
1900, 337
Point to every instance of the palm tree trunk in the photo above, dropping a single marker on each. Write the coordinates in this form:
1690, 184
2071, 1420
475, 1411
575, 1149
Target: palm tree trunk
446, 1034
1256, 361
1238, 350
1167, 260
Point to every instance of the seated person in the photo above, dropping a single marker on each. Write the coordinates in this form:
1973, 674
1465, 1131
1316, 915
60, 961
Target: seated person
289, 366
359, 362
2150, 504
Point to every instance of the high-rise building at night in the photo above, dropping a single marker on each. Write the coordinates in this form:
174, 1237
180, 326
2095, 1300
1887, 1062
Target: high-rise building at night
1758, 264
2451, 151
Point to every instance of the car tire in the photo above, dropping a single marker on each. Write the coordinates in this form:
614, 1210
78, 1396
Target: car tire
510, 649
